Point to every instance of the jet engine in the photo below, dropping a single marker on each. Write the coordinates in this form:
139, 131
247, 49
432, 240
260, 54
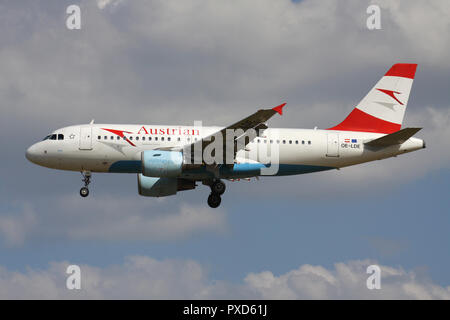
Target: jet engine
157, 163
162, 187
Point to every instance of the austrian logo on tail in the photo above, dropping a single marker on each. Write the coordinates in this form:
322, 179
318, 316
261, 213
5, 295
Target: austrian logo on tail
391, 93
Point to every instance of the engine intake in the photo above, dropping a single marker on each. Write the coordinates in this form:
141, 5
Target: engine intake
157, 163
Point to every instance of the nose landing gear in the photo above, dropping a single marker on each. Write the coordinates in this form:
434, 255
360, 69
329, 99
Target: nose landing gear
84, 191
217, 189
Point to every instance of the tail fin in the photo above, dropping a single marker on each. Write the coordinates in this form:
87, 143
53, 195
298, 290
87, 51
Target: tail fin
383, 108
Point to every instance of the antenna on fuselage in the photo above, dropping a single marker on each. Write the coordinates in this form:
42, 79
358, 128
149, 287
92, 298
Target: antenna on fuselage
92, 121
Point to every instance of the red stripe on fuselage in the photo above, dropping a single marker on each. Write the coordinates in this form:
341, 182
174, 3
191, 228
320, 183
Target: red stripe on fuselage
120, 134
358, 120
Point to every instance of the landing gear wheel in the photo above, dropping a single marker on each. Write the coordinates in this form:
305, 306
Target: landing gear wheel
214, 200
218, 187
84, 192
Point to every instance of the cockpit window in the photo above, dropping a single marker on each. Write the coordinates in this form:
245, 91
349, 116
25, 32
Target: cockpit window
54, 137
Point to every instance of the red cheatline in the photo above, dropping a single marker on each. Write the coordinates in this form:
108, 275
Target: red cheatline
358, 120
120, 134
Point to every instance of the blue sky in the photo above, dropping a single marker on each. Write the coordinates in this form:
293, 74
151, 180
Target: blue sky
147, 61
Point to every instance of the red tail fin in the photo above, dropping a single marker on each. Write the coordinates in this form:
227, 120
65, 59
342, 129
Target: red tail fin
383, 108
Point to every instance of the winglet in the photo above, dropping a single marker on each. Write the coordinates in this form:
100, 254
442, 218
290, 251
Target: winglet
279, 108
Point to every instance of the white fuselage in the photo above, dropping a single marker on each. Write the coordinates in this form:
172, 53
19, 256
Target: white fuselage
118, 148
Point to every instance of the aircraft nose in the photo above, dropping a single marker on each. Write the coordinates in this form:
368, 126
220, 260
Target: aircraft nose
32, 153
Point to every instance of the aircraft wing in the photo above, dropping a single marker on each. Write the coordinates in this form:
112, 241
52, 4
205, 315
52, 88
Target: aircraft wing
255, 121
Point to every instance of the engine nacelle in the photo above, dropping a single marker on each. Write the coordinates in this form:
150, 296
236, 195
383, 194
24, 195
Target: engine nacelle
156, 187
162, 187
157, 163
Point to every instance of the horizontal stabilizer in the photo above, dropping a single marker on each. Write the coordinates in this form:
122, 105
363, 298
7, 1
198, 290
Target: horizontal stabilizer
394, 138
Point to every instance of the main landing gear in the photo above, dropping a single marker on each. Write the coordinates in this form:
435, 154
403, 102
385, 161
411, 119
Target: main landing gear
217, 189
84, 192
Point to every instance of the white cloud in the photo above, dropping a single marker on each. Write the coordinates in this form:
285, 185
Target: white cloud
205, 56
346, 281
102, 4
14, 227
109, 218
141, 277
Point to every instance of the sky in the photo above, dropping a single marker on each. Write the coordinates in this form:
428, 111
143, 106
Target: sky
174, 62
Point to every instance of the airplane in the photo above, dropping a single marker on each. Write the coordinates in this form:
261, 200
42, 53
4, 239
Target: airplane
168, 158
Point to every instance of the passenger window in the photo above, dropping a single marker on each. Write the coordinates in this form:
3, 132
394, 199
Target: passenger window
137, 138
149, 138
99, 137
118, 138
290, 141
168, 139
143, 138
284, 141
112, 137
278, 141
296, 141
303, 141
271, 141
131, 138
156, 138
162, 138
179, 139
105, 137
309, 142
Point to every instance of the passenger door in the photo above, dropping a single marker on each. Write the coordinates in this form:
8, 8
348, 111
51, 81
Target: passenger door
85, 138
